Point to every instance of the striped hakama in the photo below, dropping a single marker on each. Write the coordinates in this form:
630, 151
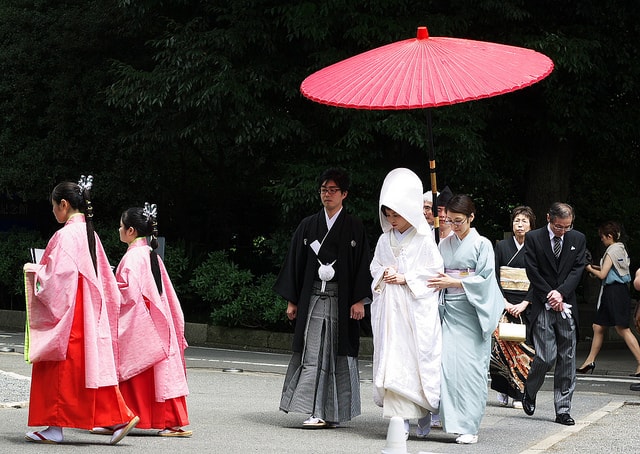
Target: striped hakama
318, 381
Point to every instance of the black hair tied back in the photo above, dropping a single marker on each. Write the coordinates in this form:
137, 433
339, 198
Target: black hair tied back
150, 213
85, 183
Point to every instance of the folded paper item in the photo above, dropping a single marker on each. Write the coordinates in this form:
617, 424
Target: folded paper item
513, 278
36, 254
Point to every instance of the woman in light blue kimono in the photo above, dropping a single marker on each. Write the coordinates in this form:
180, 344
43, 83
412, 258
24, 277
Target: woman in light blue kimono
472, 305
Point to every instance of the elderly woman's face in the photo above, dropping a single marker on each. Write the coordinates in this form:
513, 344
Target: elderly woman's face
521, 225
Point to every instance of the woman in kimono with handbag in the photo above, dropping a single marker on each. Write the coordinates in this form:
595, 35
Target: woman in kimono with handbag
511, 359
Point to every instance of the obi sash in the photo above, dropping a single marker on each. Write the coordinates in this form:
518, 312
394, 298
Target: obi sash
514, 279
458, 274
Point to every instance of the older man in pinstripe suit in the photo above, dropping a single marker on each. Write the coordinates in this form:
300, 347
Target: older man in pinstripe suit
554, 260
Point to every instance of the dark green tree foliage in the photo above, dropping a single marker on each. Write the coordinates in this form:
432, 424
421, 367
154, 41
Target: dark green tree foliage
195, 106
14, 253
222, 105
54, 65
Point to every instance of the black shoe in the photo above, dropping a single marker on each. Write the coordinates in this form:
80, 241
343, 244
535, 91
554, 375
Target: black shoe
528, 404
635, 387
635, 375
588, 368
565, 418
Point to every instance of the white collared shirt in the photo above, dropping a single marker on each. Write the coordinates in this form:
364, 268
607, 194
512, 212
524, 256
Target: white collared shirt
553, 235
331, 221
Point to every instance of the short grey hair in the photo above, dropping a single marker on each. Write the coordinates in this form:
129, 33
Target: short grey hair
561, 210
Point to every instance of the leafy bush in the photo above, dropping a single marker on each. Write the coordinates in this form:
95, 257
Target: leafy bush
256, 306
14, 253
180, 263
236, 298
218, 280
177, 263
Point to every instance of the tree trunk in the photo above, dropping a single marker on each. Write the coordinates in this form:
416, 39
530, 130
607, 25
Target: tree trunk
548, 178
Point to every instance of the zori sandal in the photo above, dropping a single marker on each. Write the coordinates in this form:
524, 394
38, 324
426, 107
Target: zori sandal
175, 433
314, 423
102, 431
121, 431
37, 437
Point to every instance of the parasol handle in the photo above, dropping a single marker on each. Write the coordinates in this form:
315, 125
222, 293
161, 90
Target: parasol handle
432, 172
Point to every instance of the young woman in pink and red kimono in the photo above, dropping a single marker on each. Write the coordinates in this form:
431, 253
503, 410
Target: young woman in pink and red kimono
151, 338
72, 304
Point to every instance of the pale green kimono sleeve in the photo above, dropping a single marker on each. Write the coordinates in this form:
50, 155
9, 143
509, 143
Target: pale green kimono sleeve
482, 289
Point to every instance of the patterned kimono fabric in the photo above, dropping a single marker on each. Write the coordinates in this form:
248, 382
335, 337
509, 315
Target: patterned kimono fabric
510, 364
510, 361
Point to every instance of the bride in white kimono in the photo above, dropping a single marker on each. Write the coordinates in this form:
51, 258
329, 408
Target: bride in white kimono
404, 311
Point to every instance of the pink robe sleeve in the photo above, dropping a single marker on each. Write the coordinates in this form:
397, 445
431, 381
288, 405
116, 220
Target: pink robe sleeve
139, 344
51, 294
163, 321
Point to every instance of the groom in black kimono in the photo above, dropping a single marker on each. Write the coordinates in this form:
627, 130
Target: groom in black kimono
325, 279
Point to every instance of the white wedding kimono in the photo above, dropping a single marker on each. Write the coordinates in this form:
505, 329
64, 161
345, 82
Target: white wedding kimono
405, 321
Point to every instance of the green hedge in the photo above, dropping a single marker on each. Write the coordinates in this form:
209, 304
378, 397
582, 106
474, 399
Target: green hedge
216, 291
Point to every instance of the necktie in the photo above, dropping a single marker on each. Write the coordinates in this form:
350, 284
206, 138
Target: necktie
556, 246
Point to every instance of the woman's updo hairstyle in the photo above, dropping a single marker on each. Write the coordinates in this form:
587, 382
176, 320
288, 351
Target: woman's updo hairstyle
144, 221
462, 204
78, 195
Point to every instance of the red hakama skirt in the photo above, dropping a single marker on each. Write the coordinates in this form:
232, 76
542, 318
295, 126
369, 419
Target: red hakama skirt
59, 396
139, 393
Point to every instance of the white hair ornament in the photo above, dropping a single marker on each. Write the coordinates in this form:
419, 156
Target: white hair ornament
85, 183
150, 211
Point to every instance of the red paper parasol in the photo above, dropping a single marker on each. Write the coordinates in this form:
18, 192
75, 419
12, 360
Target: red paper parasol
426, 72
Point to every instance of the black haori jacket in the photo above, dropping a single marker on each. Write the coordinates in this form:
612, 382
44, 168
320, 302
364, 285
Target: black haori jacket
347, 244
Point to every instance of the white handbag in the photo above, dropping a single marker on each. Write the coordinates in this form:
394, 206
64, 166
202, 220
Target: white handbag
512, 332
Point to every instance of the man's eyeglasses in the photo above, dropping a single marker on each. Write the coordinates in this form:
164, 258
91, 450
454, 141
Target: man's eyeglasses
456, 223
562, 228
426, 208
329, 191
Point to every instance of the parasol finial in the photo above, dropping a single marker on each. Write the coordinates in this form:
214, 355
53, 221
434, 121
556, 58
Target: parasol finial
423, 33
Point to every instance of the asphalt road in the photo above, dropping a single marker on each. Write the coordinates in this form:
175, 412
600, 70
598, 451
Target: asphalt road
237, 412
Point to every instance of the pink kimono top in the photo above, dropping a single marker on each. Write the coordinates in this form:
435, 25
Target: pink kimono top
151, 326
51, 290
